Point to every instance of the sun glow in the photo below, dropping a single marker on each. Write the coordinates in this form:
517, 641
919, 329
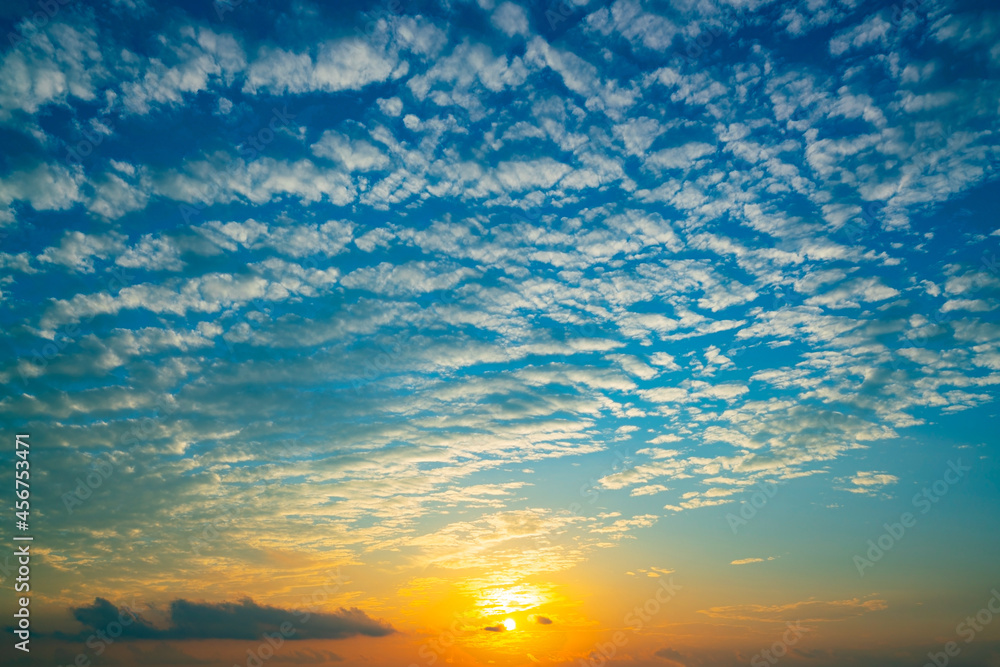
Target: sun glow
509, 624
510, 599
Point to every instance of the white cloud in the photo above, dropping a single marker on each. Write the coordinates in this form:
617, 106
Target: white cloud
638, 134
640, 27
681, 157
346, 64
511, 19
46, 187
577, 74
874, 30
970, 305
200, 59
854, 293
410, 278
56, 64
870, 483
530, 174
390, 106
354, 155
328, 238
452, 79
260, 181
77, 251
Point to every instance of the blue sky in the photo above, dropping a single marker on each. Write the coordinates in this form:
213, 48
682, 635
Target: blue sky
409, 281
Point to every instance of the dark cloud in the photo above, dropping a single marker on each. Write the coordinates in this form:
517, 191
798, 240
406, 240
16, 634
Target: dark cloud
226, 620
542, 620
112, 620
672, 657
494, 628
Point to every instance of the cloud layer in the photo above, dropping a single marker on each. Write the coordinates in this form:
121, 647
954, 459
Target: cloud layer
228, 620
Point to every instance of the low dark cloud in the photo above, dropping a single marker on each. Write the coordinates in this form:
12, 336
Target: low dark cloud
225, 620
112, 621
542, 620
673, 658
494, 628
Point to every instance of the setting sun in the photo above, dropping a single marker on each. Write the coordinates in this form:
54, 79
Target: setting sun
509, 624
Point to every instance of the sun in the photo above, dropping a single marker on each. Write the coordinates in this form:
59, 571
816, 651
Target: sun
509, 624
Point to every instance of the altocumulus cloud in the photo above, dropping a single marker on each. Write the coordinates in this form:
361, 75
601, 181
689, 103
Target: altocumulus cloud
227, 620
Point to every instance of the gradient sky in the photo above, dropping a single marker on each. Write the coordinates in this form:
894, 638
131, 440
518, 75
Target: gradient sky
426, 316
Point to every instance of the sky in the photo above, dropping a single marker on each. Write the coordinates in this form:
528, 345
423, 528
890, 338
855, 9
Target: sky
470, 332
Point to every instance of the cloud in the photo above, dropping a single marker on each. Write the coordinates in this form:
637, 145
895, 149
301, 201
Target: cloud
621, 527
673, 658
77, 251
852, 294
194, 61
45, 187
631, 21
264, 179
970, 305
451, 268
58, 63
453, 79
539, 619
806, 611
391, 106
229, 620
511, 19
870, 483
100, 614
681, 157
874, 30
346, 64
354, 155
747, 561
412, 278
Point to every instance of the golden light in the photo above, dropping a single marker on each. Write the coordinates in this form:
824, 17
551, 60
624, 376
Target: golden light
509, 599
509, 624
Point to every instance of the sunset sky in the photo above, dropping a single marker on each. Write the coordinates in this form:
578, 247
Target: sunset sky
477, 333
